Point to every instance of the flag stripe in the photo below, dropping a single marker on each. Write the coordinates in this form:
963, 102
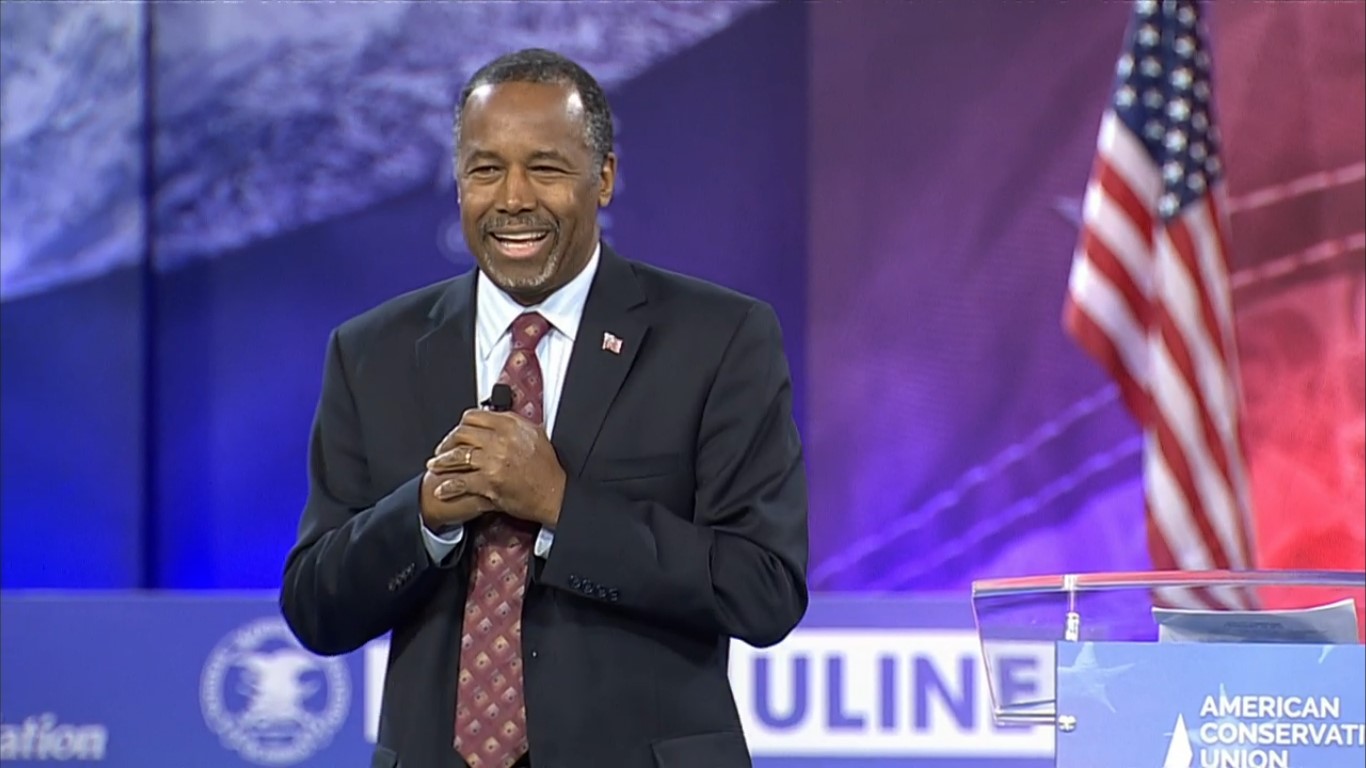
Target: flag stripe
1101, 346
1118, 190
1189, 551
1175, 345
1127, 155
1169, 526
1215, 225
1211, 227
1208, 367
1206, 239
1178, 459
1205, 490
1094, 293
1187, 408
1162, 557
1183, 248
1208, 235
1185, 597
1100, 258
1207, 372
1108, 224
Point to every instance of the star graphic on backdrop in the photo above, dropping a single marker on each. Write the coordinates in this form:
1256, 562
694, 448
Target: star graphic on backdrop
1194, 729
1088, 678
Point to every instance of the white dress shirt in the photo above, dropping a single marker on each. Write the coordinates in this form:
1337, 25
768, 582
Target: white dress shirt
494, 313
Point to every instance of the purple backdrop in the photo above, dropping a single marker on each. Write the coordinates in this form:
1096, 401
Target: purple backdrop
954, 432
899, 179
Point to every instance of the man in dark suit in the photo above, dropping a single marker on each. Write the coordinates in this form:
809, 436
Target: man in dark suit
562, 578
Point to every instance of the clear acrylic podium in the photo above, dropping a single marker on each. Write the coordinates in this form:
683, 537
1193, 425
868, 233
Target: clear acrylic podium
1039, 615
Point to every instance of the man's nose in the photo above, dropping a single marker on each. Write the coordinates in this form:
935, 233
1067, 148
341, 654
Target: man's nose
517, 195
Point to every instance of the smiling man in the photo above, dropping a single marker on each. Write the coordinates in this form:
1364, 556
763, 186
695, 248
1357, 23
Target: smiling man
564, 569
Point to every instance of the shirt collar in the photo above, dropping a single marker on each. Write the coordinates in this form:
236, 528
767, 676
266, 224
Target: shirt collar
495, 310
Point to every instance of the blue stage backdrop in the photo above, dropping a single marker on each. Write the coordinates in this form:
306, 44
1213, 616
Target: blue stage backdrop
298, 163
195, 193
953, 430
73, 330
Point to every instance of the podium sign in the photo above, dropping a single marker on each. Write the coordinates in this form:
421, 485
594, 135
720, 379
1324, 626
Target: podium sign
1210, 705
166, 680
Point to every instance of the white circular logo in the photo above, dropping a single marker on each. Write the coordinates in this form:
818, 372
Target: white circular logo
268, 698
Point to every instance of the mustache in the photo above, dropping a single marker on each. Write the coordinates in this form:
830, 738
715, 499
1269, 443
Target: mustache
518, 222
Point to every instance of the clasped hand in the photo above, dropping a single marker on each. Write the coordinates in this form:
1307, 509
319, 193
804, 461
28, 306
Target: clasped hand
493, 461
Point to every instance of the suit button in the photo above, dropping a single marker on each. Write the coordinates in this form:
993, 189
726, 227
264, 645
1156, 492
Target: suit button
613, 595
575, 581
601, 592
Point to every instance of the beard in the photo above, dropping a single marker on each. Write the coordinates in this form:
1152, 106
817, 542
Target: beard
522, 279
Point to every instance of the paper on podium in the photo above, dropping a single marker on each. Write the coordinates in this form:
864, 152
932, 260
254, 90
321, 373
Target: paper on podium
1331, 623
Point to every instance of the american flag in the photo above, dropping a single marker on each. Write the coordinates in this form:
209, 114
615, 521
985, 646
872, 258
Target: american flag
1149, 299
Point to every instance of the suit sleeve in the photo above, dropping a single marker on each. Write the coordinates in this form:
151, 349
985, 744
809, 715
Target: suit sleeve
360, 565
740, 569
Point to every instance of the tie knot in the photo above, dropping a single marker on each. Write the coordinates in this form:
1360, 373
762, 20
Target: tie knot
528, 329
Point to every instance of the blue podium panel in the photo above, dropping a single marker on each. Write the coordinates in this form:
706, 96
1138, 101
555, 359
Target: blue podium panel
1211, 705
216, 681
170, 681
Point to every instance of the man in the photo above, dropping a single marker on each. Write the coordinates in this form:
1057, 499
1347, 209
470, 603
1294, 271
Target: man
561, 579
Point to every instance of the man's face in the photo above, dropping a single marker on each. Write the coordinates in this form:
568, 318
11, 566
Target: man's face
528, 190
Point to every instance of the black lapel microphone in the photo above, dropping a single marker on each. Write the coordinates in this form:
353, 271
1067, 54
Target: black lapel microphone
500, 399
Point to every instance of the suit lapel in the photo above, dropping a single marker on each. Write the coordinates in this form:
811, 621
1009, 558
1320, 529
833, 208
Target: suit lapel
596, 372
445, 361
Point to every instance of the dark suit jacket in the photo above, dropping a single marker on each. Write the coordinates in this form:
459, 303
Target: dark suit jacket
684, 521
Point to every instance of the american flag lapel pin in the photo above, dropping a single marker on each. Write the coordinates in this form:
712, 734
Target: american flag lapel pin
611, 343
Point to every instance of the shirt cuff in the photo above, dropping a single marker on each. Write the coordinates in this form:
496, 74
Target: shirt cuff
543, 541
440, 546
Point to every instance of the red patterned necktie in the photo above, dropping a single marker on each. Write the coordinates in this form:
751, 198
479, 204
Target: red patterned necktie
490, 714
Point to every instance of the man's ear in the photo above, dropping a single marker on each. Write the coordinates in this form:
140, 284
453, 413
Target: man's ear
607, 179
